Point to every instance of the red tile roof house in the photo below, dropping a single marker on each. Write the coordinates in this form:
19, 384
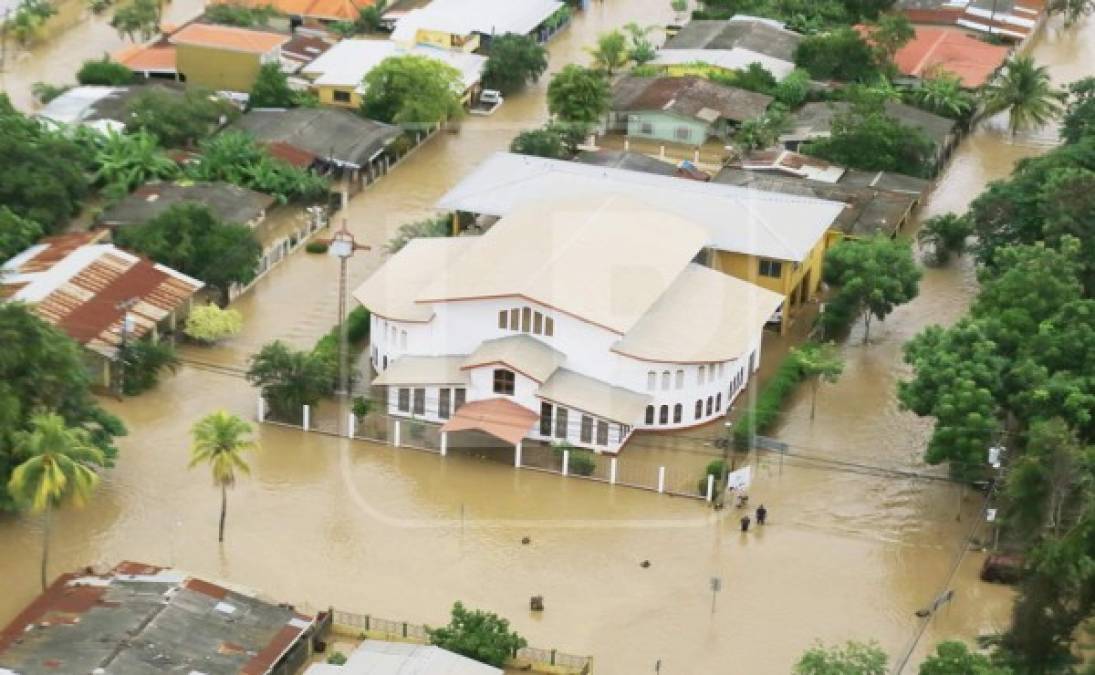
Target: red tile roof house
97, 293
140, 618
949, 49
1012, 20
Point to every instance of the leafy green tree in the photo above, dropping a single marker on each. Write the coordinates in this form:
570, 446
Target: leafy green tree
104, 72
874, 276
1079, 116
1025, 91
958, 381
854, 658
839, 55
865, 137
209, 323
479, 635
440, 226
16, 234
1072, 10
41, 368
42, 173
189, 238
819, 362
57, 464
945, 235
219, 441
514, 61
123, 162
179, 120
639, 49
579, 98
368, 18
143, 361
611, 53
954, 658
412, 90
858, 10
1068, 210
242, 16
1046, 483
755, 77
271, 88
291, 379
762, 132
28, 19
137, 19
942, 94
235, 157
794, 89
890, 33
543, 142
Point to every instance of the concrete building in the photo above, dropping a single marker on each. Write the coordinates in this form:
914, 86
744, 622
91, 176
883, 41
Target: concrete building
224, 57
572, 321
337, 75
731, 44
469, 25
685, 110
774, 240
98, 294
138, 619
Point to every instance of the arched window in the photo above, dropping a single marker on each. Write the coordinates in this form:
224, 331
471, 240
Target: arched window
699, 408
710, 405
663, 415
650, 414
702, 373
721, 370
665, 379
394, 332
651, 380
403, 339
680, 379
718, 401
678, 411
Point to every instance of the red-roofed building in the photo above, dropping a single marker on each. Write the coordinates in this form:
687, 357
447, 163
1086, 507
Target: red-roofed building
97, 293
952, 50
224, 57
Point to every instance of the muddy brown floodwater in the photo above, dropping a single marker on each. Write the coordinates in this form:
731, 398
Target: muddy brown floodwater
323, 521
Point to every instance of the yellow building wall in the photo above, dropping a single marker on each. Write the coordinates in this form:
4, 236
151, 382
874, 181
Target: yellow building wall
445, 40
218, 68
326, 96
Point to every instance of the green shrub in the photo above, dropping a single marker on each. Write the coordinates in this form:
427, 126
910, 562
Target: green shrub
362, 406
104, 72
766, 409
357, 325
142, 363
582, 462
316, 247
337, 659
716, 468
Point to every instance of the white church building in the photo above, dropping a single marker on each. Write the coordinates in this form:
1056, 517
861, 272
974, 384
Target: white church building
574, 322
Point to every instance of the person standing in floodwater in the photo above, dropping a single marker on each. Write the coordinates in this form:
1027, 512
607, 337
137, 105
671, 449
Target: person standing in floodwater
762, 514
744, 524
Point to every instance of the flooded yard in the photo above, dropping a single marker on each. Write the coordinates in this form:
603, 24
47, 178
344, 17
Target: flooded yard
854, 544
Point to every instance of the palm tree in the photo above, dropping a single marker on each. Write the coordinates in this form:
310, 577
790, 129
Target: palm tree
1026, 92
219, 439
942, 94
818, 362
58, 466
946, 235
611, 52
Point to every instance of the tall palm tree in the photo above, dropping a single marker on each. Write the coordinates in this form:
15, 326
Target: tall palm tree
611, 52
1026, 92
219, 439
58, 466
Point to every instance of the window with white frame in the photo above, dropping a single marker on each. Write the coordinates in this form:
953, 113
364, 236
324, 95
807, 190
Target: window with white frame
680, 379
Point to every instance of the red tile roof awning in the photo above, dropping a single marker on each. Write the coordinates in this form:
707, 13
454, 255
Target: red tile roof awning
498, 417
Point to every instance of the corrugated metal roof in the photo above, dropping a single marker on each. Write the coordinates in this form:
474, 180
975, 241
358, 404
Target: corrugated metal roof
462, 17
689, 97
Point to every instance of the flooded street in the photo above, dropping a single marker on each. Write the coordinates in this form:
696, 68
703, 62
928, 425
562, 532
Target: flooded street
850, 553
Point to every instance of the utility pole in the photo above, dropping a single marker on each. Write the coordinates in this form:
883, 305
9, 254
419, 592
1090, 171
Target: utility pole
343, 246
716, 586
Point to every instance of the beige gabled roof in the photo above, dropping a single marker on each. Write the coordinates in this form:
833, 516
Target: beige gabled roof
604, 259
523, 353
705, 316
421, 370
391, 291
586, 394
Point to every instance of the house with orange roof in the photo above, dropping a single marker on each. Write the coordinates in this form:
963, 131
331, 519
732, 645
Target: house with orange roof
154, 59
951, 50
224, 57
309, 12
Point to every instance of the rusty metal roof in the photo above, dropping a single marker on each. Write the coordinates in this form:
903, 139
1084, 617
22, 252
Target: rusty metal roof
689, 97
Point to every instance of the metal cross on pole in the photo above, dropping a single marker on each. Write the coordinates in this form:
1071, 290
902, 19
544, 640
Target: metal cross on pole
343, 246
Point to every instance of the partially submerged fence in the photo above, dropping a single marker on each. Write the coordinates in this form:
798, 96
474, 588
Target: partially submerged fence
380, 427
366, 626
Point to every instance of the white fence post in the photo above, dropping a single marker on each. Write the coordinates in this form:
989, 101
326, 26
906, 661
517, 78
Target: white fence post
661, 479
307, 417
444, 443
612, 471
710, 486
566, 462
351, 424
396, 438
260, 408
517, 455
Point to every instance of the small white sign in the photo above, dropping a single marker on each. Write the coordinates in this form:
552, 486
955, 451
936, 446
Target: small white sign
739, 480
990, 515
